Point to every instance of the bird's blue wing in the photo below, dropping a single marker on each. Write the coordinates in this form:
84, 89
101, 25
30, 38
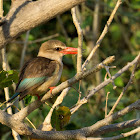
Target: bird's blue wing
26, 84
30, 82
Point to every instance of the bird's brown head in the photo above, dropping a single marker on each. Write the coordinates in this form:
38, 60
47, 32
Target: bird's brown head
55, 49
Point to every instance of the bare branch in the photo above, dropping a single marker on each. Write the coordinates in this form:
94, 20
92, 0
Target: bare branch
21, 128
106, 104
125, 88
26, 14
106, 28
103, 84
80, 40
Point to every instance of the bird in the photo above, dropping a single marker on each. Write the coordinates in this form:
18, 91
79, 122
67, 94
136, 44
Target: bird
44, 71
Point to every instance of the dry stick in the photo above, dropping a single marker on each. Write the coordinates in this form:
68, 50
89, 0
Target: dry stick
4, 66
80, 40
103, 84
102, 35
106, 104
108, 73
47, 121
69, 134
125, 88
80, 43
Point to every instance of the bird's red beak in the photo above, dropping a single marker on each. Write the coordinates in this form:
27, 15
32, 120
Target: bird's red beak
69, 50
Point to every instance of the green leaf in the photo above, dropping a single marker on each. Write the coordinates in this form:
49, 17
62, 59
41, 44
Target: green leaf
2, 75
60, 117
8, 77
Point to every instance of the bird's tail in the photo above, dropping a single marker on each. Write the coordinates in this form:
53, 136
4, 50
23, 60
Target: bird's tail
13, 97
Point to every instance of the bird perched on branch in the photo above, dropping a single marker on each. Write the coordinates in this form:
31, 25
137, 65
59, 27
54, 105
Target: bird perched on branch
44, 71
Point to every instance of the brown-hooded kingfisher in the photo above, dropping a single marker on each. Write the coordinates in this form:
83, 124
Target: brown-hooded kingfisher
44, 71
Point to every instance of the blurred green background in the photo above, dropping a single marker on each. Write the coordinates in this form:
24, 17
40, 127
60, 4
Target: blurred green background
122, 41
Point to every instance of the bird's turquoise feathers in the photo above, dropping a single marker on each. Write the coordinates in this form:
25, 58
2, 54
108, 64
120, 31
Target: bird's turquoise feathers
30, 82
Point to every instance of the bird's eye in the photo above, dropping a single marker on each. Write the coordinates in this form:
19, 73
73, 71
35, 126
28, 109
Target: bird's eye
58, 49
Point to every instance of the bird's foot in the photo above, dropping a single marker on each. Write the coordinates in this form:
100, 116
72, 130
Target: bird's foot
51, 88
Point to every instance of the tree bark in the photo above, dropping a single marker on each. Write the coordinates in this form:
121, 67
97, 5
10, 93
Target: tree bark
26, 14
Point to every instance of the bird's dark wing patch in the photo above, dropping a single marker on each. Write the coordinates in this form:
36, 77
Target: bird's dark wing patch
35, 72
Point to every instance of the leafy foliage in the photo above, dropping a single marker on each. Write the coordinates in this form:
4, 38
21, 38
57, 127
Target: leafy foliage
60, 117
8, 77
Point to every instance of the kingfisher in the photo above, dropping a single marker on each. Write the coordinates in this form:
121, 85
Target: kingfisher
44, 71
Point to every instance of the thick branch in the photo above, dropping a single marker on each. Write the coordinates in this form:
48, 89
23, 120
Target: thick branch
26, 14
23, 129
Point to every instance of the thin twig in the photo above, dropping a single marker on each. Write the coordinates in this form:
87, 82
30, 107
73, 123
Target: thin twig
125, 88
108, 73
103, 84
80, 40
106, 104
106, 28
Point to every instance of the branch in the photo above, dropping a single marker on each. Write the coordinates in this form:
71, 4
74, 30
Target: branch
19, 126
80, 40
125, 88
103, 84
26, 14
106, 28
